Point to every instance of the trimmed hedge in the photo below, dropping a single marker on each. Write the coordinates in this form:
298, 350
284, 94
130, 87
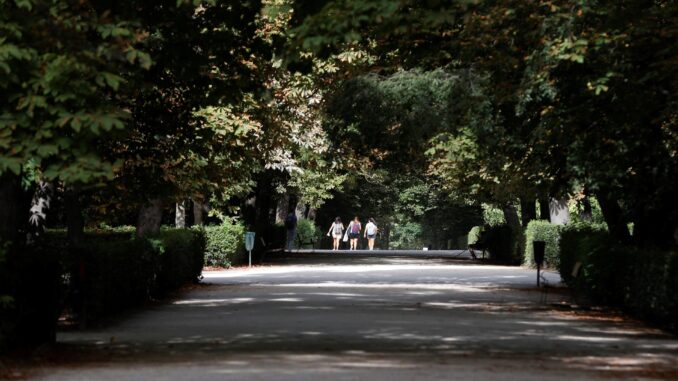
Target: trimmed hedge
577, 240
225, 244
109, 272
29, 283
182, 257
501, 243
643, 282
540, 230
109, 275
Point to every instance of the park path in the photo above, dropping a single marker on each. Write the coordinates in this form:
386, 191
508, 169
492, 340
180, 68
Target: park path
343, 317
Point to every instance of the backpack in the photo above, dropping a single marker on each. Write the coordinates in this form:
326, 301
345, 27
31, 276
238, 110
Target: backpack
355, 228
371, 229
337, 228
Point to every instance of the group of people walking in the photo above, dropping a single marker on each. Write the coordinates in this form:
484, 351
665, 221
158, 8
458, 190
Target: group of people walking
352, 233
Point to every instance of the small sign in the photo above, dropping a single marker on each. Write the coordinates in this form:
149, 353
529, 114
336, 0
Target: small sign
249, 240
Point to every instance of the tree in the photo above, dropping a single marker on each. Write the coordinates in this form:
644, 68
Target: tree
64, 68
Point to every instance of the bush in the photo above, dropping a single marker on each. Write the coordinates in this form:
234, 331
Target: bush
29, 293
643, 282
110, 272
501, 243
577, 240
474, 235
539, 230
307, 232
225, 244
111, 275
182, 257
406, 236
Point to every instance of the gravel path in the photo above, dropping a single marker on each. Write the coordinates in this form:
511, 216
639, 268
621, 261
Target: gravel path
342, 317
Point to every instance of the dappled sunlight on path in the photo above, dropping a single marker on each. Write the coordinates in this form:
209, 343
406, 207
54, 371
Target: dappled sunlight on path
380, 320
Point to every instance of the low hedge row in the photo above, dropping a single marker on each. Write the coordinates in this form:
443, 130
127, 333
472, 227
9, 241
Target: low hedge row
540, 230
641, 281
109, 272
109, 275
225, 244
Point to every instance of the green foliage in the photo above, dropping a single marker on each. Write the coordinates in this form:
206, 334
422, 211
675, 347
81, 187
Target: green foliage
407, 235
493, 216
62, 67
577, 240
474, 234
643, 282
225, 244
307, 231
182, 258
111, 272
540, 230
31, 276
502, 244
109, 276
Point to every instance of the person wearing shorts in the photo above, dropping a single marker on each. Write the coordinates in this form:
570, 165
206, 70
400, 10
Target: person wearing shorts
354, 229
371, 233
336, 230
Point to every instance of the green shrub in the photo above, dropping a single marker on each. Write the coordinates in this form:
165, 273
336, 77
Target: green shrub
643, 282
473, 235
110, 272
406, 236
182, 257
225, 244
307, 232
501, 243
111, 275
577, 240
540, 230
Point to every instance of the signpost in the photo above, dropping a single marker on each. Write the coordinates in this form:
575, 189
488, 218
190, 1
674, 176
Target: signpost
249, 244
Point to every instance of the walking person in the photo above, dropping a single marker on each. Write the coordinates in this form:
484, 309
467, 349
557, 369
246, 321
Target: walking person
291, 226
354, 229
336, 230
371, 230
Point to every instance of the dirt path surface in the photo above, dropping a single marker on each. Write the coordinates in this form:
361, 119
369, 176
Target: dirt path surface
367, 318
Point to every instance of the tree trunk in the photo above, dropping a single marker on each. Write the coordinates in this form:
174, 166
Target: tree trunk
586, 213
301, 210
544, 211
511, 217
10, 207
75, 221
614, 217
311, 213
180, 215
528, 210
282, 208
198, 213
40, 205
560, 213
150, 217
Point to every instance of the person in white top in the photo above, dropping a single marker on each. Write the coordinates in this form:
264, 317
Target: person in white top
371, 230
336, 230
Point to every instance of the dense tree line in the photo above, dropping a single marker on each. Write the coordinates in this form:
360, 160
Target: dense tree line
570, 97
